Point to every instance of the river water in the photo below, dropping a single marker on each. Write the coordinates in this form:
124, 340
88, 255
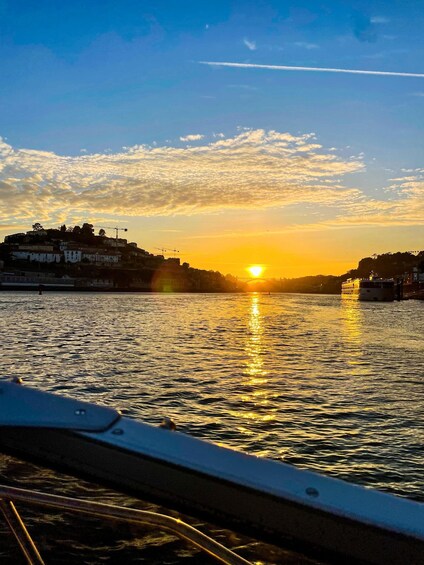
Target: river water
331, 385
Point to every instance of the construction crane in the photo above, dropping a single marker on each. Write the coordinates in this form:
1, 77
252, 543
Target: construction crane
166, 250
117, 230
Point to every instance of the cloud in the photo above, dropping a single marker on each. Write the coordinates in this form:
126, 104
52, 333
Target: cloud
192, 137
8, 227
306, 45
243, 87
255, 169
250, 44
379, 20
252, 170
404, 208
363, 28
315, 69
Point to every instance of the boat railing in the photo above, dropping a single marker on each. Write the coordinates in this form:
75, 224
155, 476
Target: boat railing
10, 495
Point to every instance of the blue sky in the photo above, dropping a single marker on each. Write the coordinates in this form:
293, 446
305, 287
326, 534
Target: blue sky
93, 78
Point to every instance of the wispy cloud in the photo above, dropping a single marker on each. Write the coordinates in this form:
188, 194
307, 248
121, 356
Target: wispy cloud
314, 69
252, 170
192, 137
243, 86
8, 227
379, 20
404, 208
306, 45
363, 27
250, 44
255, 169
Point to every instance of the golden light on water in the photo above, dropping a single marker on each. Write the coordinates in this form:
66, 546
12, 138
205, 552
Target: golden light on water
352, 321
258, 397
254, 344
256, 270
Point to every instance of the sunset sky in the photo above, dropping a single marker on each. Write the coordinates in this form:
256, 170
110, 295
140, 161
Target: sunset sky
186, 123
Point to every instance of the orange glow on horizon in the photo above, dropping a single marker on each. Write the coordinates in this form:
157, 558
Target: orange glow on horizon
206, 245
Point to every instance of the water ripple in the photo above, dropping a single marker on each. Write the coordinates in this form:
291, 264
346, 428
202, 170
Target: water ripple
325, 384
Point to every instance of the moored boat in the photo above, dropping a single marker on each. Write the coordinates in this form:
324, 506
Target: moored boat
370, 289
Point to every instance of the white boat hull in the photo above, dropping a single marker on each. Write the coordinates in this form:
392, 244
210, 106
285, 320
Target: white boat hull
371, 295
370, 290
267, 499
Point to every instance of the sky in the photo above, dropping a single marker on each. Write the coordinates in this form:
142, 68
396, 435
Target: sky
234, 132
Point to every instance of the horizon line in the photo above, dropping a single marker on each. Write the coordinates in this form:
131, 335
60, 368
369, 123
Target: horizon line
313, 69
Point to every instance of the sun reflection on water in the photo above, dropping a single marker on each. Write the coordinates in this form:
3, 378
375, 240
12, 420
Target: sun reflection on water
352, 318
354, 335
254, 345
257, 399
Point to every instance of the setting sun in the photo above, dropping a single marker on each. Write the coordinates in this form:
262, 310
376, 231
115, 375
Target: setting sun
255, 270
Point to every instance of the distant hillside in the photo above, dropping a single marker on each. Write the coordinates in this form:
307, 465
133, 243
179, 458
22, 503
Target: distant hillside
387, 265
86, 261
81, 257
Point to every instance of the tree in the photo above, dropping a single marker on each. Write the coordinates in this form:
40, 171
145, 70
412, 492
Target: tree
102, 232
87, 232
87, 228
63, 228
37, 227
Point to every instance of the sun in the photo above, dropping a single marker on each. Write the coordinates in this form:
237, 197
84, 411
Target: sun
255, 270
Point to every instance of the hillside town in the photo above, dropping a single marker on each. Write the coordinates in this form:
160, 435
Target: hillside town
75, 258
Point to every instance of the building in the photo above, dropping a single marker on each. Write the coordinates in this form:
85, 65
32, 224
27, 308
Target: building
115, 241
72, 255
38, 253
100, 256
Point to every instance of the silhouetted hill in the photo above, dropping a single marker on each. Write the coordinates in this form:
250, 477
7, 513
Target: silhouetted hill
121, 265
387, 265
91, 262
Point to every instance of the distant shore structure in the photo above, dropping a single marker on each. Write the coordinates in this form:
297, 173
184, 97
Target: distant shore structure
370, 289
74, 258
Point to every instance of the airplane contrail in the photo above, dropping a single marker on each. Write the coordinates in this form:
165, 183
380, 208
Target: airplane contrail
314, 69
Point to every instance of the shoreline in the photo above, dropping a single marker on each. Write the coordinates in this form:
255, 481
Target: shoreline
58, 288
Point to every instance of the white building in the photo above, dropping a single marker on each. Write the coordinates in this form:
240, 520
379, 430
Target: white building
41, 255
72, 255
100, 257
115, 242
